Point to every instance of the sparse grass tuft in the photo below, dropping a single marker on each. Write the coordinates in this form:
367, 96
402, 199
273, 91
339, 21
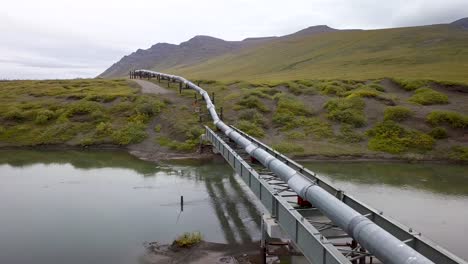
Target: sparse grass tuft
427, 96
187, 240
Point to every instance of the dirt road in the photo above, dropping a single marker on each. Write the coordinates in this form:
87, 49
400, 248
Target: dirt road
151, 88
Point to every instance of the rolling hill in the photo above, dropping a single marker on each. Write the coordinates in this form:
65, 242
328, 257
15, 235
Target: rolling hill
437, 52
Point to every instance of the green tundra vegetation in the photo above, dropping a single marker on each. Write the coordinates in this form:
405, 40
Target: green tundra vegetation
306, 118
74, 112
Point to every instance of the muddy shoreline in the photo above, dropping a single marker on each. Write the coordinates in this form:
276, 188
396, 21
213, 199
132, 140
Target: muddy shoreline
166, 155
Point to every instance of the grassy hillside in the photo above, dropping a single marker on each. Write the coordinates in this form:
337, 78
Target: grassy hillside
438, 52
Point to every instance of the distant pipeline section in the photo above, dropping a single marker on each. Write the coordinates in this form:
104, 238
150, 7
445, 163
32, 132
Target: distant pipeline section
376, 240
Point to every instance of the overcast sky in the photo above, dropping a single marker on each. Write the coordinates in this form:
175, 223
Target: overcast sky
81, 38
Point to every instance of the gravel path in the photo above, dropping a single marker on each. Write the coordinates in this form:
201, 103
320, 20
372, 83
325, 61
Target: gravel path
151, 88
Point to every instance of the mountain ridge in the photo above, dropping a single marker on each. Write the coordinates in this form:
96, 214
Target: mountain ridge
204, 50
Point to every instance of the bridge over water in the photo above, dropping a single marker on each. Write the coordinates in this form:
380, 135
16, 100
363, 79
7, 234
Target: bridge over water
326, 224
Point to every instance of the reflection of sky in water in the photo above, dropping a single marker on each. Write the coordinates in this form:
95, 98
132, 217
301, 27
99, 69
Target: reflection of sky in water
432, 199
59, 213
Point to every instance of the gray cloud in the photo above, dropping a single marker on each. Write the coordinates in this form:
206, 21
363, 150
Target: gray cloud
66, 39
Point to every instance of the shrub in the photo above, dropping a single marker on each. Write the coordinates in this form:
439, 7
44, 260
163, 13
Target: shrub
251, 128
288, 109
347, 110
83, 108
348, 135
252, 115
453, 119
43, 116
387, 136
459, 153
253, 102
187, 240
187, 145
397, 113
15, 114
131, 133
438, 133
157, 128
288, 147
427, 96
104, 128
295, 135
410, 85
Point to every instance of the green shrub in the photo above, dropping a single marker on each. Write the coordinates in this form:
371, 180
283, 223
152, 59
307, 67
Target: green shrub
187, 145
410, 85
459, 153
83, 108
251, 128
43, 116
104, 128
295, 135
453, 119
288, 109
157, 128
15, 114
397, 113
348, 135
251, 102
187, 240
347, 110
252, 115
288, 147
427, 96
387, 136
131, 133
438, 133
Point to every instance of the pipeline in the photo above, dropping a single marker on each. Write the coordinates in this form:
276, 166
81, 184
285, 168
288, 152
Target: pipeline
376, 240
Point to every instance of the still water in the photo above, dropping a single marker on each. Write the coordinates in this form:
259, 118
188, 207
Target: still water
100, 207
430, 198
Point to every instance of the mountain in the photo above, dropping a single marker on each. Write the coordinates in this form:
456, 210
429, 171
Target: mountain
463, 23
197, 49
319, 52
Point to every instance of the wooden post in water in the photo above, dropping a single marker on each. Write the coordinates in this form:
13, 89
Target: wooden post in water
181, 203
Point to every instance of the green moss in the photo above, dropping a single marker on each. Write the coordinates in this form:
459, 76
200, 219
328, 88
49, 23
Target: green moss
389, 137
453, 119
347, 110
397, 113
427, 96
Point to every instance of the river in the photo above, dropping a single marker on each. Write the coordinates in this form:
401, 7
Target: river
100, 207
